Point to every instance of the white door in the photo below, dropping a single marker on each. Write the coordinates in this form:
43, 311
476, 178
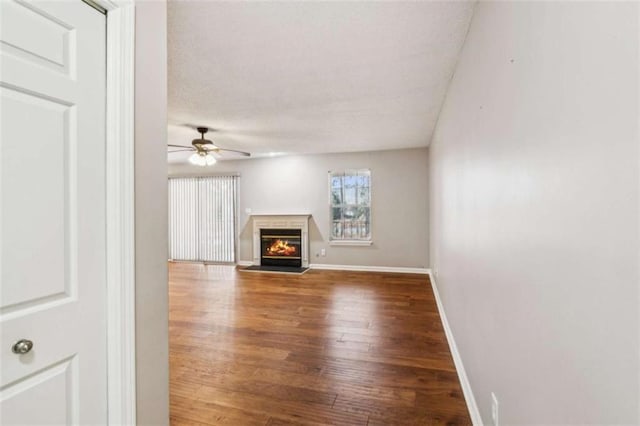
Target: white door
52, 213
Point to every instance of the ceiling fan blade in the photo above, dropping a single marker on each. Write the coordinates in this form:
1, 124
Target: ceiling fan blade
181, 150
246, 154
179, 146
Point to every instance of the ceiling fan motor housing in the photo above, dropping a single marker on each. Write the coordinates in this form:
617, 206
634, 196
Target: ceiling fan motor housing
201, 141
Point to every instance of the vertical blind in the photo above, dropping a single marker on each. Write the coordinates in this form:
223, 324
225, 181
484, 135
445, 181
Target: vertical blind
202, 218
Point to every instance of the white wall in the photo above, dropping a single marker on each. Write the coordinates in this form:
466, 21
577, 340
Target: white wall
152, 330
534, 210
299, 184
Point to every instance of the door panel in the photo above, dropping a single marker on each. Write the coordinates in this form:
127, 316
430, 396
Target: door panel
52, 228
52, 389
51, 43
52, 212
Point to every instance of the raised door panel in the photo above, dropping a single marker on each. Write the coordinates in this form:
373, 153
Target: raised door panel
52, 389
38, 262
50, 44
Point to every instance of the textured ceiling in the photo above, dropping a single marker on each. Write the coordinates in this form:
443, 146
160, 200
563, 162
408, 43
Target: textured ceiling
311, 77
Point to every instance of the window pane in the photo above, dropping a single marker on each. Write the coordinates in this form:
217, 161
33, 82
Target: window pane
350, 180
360, 223
336, 196
336, 181
336, 230
362, 214
349, 195
336, 214
363, 196
348, 228
350, 212
363, 179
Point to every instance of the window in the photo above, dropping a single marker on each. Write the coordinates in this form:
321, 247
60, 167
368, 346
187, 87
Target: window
202, 218
350, 199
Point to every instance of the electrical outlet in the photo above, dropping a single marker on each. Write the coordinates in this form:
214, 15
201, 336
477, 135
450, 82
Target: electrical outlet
323, 252
494, 409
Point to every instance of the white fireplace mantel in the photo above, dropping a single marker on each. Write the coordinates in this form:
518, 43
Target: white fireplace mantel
281, 221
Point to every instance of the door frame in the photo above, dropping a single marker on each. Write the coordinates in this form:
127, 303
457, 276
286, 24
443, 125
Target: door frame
120, 212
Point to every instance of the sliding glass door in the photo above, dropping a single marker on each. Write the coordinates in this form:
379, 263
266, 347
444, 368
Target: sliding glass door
202, 218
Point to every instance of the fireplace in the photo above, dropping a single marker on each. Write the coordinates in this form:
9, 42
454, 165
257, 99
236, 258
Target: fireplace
281, 247
292, 230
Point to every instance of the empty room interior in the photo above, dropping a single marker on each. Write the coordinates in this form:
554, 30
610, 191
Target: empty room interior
488, 149
331, 213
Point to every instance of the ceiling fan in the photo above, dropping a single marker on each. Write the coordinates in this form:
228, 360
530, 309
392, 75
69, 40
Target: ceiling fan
203, 150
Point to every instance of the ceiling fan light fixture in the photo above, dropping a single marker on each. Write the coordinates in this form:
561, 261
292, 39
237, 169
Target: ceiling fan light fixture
197, 159
202, 159
210, 160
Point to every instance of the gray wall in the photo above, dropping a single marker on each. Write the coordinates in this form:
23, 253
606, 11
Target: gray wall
152, 309
534, 210
299, 184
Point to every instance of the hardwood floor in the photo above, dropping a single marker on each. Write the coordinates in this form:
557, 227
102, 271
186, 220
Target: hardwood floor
326, 347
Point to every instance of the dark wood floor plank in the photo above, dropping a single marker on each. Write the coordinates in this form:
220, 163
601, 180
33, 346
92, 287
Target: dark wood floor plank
323, 348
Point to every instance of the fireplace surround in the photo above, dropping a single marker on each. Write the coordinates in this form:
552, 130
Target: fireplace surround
281, 240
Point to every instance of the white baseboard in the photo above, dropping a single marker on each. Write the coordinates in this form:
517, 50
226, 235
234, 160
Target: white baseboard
397, 269
457, 359
359, 268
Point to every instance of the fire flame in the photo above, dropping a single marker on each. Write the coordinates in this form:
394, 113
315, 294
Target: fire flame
281, 248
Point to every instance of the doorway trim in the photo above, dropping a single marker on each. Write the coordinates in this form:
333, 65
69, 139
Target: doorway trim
120, 213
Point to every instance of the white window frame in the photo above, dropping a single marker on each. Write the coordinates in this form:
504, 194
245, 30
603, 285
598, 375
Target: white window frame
349, 241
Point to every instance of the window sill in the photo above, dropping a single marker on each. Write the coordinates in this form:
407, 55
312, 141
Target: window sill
350, 243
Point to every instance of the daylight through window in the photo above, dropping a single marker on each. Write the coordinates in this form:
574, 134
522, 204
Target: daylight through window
350, 199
